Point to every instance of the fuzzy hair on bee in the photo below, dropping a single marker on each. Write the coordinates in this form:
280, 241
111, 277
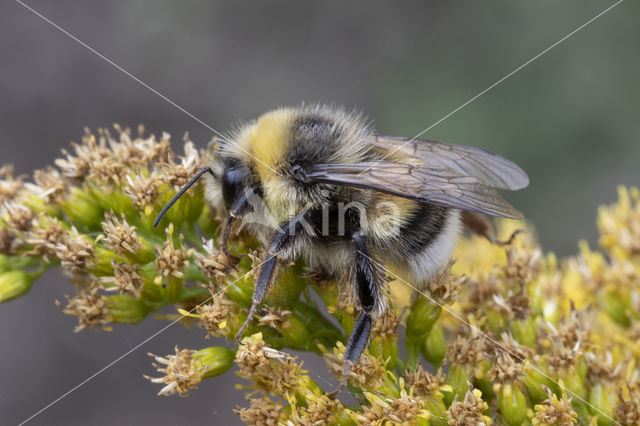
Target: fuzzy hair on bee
317, 181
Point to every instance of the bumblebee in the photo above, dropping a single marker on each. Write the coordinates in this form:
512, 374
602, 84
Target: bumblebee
317, 181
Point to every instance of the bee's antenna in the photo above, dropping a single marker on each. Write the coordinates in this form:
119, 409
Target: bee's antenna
184, 189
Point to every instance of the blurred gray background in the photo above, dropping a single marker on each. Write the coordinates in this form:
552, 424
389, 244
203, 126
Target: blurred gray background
570, 119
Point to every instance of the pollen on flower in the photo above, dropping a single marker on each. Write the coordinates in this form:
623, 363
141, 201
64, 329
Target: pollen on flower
405, 410
271, 370
619, 224
367, 371
215, 315
554, 411
181, 373
469, 411
90, 308
320, 409
385, 327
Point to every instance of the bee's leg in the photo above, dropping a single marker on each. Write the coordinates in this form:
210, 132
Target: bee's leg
367, 294
281, 240
478, 224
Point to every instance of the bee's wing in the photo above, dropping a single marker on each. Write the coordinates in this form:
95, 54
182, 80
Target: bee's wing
490, 169
447, 175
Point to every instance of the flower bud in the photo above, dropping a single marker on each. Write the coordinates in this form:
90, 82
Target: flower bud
82, 208
173, 288
423, 315
215, 360
289, 287
5, 263
457, 379
150, 290
524, 331
295, 333
434, 347
513, 404
125, 309
103, 260
14, 284
602, 400
535, 383
190, 207
616, 306
208, 225
114, 199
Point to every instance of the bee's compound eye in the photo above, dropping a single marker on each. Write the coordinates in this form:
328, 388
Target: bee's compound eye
233, 183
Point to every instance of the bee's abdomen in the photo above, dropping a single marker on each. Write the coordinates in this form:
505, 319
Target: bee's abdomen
422, 228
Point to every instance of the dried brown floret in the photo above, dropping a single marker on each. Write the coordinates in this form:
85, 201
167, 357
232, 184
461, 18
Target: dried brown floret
9, 186
49, 185
17, 216
523, 264
604, 368
75, 252
627, 411
271, 370
171, 260
385, 327
469, 411
367, 371
505, 369
179, 174
554, 411
45, 236
469, 350
8, 241
214, 263
261, 411
181, 372
445, 287
275, 317
384, 410
320, 409
90, 308
125, 279
119, 236
143, 191
423, 382
215, 315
